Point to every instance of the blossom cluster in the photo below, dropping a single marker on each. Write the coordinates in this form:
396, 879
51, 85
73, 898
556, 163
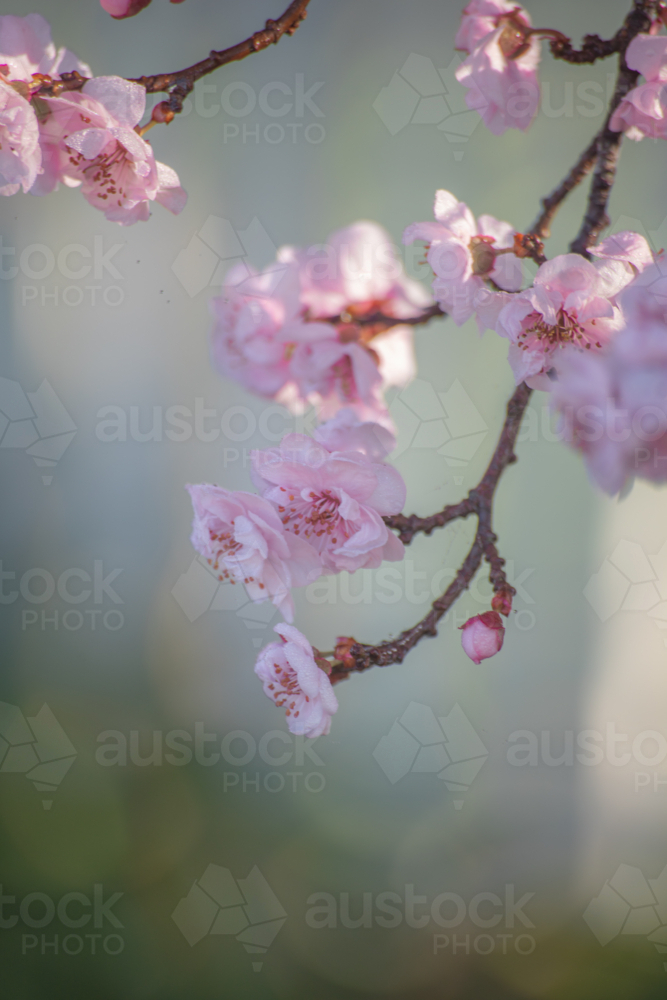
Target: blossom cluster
88, 137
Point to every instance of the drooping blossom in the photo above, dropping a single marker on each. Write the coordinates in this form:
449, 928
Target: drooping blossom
293, 332
26, 49
335, 500
293, 680
345, 432
572, 302
93, 143
463, 253
482, 636
643, 111
613, 405
243, 539
500, 71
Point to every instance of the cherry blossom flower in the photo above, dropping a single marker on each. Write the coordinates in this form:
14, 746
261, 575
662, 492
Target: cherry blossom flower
500, 71
98, 148
482, 636
243, 539
26, 48
572, 301
292, 678
643, 112
463, 253
335, 500
613, 406
345, 432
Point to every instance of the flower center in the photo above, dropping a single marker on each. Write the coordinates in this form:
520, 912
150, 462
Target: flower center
317, 518
483, 254
512, 40
566, 330
286, 689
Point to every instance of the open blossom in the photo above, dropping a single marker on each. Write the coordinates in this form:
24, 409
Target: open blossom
500, 71
345, 432
243, 539
335, 500
463, 253
613, 406
572, 302
93, 143
292, 679
643, 111
482, 636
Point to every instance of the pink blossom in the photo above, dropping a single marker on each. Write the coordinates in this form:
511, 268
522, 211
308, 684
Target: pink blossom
345, 432
643, 112
613, 405
482, 636
336, 500
242, 537
292, 678
114, 165
463, 253
123, 8
20, 154
500, 72
572, 301
26, 48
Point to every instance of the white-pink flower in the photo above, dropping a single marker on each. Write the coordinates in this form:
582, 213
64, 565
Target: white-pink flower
463, 253
643, 112
294, 681
97, 146
500, 71
613, 405
335, 500
20, 154
571, 302
243, 539
345, 432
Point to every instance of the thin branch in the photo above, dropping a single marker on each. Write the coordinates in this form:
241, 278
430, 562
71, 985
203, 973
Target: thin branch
592, 49
609, 145
180, 83
385, 321
479, 502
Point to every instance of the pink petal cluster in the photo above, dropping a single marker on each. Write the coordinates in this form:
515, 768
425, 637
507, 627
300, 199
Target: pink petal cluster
500, 71
91, 140
463, 255
290, 333
482, 636
242, 537
613, 405
345, 432
333, 499
572, 302
292, 679
643, 112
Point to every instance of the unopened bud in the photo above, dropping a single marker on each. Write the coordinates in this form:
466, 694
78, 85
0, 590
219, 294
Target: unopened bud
344, 644
162, 113
502, 601
483, 636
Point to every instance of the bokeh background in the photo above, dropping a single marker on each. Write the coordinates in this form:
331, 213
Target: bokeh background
155, 653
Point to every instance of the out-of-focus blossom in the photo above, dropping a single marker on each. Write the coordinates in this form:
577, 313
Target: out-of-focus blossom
463, 253
572, 301
294, 681
335, 500
243, 539
500, 71
613, 406
26, 48
643, 111
97, 146
345, 432
482, 636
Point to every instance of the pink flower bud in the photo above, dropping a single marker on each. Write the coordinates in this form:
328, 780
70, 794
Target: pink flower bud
483, 636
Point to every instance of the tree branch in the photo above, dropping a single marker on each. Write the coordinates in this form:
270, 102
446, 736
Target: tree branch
480, 502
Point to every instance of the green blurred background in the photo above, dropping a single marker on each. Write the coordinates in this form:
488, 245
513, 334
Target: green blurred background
159, 649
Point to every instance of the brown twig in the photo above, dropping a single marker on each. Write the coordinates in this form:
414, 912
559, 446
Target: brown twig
480, 502
381, 319
609, 143
180, 83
